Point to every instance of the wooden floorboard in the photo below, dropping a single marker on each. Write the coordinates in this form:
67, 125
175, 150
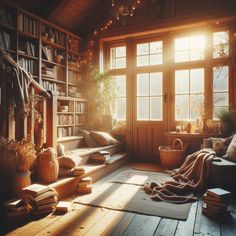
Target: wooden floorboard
87, 220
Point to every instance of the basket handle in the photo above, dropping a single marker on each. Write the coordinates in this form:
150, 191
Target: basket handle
176, 141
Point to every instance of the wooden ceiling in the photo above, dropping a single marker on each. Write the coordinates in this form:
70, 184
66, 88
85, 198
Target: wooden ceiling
78, 16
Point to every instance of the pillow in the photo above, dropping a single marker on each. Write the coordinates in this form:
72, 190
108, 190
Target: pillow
103, 138
220, 145
231, 151
68, 161
89, 140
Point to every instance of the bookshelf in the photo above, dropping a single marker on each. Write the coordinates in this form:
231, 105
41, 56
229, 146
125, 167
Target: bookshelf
52, 55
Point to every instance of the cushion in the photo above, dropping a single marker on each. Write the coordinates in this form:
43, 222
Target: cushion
68, 161
89, 140
103, 138
220, 145
231, 151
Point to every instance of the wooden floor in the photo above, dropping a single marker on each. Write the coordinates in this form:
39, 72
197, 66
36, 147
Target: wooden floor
86, 220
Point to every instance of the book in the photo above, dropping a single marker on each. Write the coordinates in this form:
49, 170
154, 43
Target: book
78, 170
63, 207
45, 195
35, 189
84, 191
100, 156
86, 180
13, 203
84, 186
219, 193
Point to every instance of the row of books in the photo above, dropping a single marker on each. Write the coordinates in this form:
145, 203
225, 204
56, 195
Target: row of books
80, 107
51, 86
27, 47
6, 16
47, 70
74, 77
74, 91
74, 44
216, 202
64, 131
64, 119
53, 35
80, 119
5, 40
27, 24
29, 65
73, 61
50, 54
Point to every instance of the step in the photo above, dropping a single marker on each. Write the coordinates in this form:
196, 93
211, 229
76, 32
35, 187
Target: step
85, 152
66, 187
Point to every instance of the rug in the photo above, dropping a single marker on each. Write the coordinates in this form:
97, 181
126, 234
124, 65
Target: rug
129, 196
147, 167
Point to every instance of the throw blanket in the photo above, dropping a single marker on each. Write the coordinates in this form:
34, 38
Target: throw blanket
190, 178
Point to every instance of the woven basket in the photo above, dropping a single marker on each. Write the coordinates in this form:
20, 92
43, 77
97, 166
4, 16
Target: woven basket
47, 166
173, 156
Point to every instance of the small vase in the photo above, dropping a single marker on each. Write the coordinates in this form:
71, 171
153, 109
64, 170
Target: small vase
20, 181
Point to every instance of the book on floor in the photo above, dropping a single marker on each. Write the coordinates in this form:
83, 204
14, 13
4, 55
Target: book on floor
219, 194
63, 207
35, 189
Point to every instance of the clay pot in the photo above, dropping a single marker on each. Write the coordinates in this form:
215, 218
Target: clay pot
20, 180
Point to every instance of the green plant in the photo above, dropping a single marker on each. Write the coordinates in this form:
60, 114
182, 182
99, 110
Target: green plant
100, 91
225, 114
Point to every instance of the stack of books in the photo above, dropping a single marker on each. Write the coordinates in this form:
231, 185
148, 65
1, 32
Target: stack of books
63, 207
216, 202
42, 199
100, 157
15, 209
85, 186
78, 171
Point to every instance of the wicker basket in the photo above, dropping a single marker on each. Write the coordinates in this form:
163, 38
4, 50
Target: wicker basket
172, 157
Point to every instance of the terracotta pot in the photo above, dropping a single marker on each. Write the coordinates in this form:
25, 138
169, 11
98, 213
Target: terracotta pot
225, 127
20, 180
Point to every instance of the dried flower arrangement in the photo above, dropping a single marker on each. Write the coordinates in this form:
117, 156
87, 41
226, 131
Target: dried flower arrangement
22, 153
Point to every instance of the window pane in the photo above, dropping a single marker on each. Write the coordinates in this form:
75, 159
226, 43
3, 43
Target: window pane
220, 99
156, 59
156, 108
196, 106
220, 44
156, 47
143, 109
196, 54
181, 81
182, 107
121, 51
142, 84
197, 42
197, 81
143, 49
121, 108
155, 84
120, 86
120, 62
142, 60
181, 44
181, 56
113, 56
220, 78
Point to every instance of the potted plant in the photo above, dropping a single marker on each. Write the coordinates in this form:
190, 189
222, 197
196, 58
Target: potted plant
225, 117
20, 156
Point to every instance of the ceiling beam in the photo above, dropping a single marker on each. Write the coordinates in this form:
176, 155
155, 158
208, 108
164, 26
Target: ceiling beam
52, 8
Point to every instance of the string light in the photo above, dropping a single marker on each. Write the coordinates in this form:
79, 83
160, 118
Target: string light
107, 25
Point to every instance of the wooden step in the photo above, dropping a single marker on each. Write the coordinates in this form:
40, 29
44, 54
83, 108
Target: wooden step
66, 187
85, 152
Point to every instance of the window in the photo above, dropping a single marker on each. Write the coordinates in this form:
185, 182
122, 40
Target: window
149, 54
220, 44
220, 88
120, 97
149, 96
189, 48
118, 57
189, 94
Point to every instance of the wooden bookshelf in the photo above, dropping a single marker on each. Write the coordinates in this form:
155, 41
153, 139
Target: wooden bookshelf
52, 55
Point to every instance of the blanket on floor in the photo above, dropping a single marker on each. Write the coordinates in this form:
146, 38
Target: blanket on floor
190, 178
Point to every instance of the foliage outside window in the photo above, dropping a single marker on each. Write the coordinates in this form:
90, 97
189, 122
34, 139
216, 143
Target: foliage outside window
220, 44
149, 54
149, 96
